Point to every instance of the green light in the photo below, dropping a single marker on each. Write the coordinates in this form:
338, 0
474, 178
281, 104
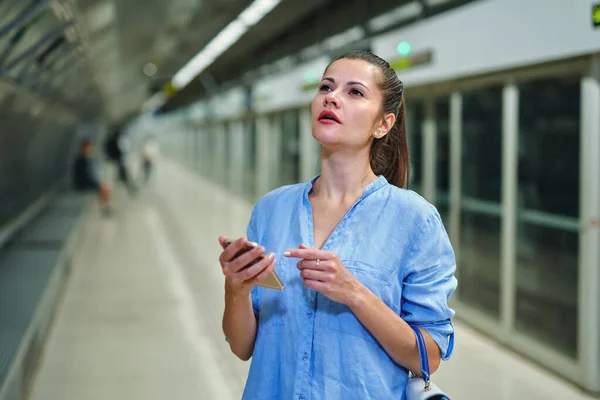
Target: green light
403, 48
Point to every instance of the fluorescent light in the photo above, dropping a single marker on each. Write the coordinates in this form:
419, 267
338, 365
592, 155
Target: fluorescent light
256, 11
223, 41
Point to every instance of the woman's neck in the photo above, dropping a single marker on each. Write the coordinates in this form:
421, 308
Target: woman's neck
343, 177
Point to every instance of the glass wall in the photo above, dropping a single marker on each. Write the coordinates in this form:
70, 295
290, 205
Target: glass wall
210, 152
290, 148
225, 155
480, 200
250, 169
415, 112
442, 162
548, 212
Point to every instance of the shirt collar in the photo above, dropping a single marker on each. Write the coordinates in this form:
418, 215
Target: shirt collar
371, 187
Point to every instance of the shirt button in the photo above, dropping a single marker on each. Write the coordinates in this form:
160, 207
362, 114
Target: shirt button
304, 357
309, 314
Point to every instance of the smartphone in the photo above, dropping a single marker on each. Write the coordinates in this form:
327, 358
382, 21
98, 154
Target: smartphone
271, 281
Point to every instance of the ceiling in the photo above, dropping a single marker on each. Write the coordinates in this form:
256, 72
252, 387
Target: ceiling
122, 36
296, 31
107, 57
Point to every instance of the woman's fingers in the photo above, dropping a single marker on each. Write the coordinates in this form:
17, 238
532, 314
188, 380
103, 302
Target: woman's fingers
246, 259
308, 254
231, 250
251, 272
321, 265
315, 275
265, 272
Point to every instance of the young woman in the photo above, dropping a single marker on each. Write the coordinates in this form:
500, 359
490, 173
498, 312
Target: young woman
361, 258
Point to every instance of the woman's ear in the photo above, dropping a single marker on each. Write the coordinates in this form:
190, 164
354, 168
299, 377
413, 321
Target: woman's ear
386, 124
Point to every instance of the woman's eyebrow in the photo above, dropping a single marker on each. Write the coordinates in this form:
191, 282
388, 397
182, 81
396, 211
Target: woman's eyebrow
349, 83
358, 83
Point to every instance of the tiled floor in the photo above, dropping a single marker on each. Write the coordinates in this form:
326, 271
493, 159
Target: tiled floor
141, 318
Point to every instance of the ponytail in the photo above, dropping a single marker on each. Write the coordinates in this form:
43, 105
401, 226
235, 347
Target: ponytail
389, 155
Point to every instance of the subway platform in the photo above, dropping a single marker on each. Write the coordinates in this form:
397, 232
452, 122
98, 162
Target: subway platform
141, 314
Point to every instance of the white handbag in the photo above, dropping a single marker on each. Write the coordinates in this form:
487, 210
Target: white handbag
422, 388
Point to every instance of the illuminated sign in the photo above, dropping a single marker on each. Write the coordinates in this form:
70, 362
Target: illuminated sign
596, 15
416, 59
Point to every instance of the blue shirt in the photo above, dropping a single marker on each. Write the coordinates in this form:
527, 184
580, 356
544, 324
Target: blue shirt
309, 347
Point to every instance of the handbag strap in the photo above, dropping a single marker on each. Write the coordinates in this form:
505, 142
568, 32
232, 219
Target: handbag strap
423, 357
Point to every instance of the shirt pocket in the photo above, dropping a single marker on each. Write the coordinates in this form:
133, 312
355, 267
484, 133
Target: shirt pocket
339, 316
273, 307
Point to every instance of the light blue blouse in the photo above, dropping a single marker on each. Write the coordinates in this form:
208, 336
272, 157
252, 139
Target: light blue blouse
309, 347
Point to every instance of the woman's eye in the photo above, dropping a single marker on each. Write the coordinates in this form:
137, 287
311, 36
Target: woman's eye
356, 92
326, 88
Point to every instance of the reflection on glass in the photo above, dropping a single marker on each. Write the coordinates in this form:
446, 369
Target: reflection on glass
547, 286
225, 164
442, 120
290, 149
549, 146
480, 205
480, 262
482, 144
548, 211
414, 119
250, 170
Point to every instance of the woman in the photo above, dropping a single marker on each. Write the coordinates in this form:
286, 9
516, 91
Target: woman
361, 258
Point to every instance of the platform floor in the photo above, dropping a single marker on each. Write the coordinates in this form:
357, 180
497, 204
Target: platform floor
141, 316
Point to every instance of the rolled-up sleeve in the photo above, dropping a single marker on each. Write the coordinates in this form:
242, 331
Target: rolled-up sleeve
429, 282
252, 235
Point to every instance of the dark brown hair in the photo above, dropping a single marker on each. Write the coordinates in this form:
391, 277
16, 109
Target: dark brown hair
389, 154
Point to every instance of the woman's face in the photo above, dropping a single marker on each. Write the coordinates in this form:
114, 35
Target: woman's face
347, 110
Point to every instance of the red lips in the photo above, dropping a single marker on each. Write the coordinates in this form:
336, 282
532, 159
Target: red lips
327, 115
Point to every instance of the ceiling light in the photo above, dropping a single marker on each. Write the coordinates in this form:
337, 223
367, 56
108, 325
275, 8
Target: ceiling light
223, 41
256, 11
150, 69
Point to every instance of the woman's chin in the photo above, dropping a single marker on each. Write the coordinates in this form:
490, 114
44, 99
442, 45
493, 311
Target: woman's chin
327, 137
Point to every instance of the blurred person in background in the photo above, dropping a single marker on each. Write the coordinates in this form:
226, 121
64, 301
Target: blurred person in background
149, 155
86, 179
363, 260
114, 151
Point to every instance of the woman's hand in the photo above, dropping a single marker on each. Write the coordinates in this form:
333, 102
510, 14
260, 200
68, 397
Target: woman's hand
240, 280
324, 272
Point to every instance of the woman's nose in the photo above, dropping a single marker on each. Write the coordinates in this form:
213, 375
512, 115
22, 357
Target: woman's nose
331, 98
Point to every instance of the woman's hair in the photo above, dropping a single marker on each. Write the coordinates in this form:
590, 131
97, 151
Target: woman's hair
389, 154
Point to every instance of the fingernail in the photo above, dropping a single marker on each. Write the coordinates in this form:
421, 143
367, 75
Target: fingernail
286, 253
271, 256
